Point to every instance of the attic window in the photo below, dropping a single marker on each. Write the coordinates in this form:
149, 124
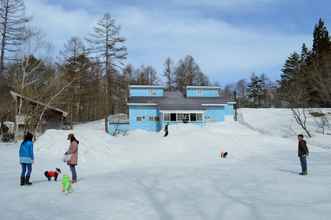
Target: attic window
152, 92
199, 92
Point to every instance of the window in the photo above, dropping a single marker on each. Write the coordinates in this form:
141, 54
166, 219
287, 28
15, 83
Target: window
183, 117
200, 92
193, 117
173, 117
166, 117
139, 118
152, 92
196, 117
154, 118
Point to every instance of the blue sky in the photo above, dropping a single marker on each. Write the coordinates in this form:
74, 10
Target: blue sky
229, 39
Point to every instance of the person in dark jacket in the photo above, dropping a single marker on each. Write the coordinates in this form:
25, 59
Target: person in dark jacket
73, 152
303, 153
26, 158
166, 131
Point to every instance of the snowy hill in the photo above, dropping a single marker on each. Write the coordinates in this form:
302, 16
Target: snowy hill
146, 176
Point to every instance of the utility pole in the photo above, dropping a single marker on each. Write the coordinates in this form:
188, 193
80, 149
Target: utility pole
235, 106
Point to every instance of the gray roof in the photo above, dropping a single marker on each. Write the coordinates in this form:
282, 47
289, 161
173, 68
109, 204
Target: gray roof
176, 101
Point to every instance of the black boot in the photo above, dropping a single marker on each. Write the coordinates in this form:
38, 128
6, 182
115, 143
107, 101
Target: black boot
22, 180
27, 180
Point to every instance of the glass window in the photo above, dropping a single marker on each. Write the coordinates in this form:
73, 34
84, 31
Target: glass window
139, 118
199, 117
180, 117
152, 92
166, 117
193, 117
173, 117
157, 118
200, 92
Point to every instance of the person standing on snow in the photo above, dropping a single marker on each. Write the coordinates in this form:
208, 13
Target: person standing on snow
73, 152
303, 153
166, 130
26, 158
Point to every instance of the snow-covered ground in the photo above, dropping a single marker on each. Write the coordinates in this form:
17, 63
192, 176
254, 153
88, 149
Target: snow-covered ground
146, 176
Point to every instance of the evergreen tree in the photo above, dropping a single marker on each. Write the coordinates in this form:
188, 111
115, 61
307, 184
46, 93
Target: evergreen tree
321, 42
255, 89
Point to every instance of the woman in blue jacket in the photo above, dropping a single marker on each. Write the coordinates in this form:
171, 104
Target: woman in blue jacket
26, 159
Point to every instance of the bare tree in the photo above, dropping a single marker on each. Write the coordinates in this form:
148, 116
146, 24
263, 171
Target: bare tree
301, 115
30, 69
49, 102
169, 74
189, 73
297, 98
13, 29
106, 45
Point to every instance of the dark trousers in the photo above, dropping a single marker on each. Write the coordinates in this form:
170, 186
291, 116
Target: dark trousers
166, 134
26, 169
73, 172
303, 162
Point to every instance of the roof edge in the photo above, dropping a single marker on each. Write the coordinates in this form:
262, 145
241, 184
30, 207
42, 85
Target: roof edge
147, 86
142, 104
203, 87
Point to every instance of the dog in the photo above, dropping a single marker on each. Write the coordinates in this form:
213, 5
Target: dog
66, 184
224, 154
50, 173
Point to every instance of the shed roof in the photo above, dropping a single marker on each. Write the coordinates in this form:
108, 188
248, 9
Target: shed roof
176, 101
16, 95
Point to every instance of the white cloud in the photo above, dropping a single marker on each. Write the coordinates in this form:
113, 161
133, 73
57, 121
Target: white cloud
220, 48
58, 23
226, 4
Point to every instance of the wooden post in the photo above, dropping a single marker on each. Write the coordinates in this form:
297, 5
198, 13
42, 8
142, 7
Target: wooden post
15, 122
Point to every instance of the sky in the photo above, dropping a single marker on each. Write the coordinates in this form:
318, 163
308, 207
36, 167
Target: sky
229, 39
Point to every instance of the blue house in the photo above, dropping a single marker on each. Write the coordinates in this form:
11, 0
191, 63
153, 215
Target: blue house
151, 107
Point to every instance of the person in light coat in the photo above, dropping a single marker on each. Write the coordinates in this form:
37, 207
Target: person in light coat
73, 152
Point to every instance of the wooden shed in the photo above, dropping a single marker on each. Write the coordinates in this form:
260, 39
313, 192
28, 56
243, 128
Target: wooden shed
53, 118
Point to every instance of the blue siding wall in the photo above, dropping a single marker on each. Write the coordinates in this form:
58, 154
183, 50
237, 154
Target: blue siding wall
190, 92
145, 112
215, 114
229, 110
146, 92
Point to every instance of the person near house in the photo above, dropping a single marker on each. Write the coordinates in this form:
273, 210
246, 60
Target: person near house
166, 130
73, 152
26, 158
303, 153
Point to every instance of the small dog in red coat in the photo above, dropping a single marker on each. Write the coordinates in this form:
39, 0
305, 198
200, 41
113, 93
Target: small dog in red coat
50, 173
